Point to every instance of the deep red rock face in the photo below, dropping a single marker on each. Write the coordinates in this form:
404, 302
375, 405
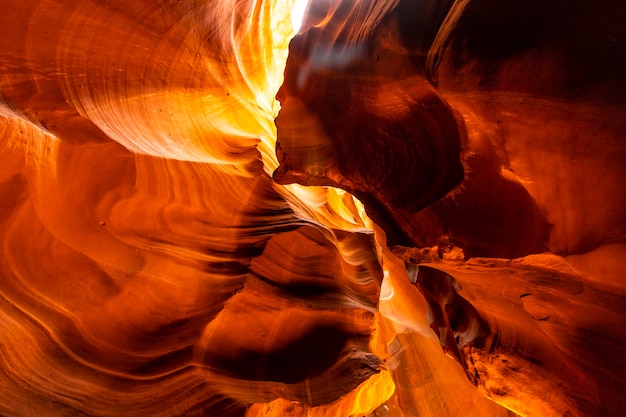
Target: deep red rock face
428, 220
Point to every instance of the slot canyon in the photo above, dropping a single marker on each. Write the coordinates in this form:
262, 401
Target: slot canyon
324, 208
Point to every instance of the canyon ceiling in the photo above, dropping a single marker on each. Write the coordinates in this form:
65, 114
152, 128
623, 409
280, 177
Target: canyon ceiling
398, 208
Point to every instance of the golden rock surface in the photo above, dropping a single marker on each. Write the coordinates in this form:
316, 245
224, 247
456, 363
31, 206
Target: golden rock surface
406, 208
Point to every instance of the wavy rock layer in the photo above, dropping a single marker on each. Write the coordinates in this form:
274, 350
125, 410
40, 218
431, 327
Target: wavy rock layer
167, 249
520, 96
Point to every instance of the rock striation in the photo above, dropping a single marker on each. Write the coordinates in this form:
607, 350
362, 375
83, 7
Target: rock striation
405, 208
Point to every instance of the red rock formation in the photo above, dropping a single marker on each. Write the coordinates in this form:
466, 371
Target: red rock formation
167, 250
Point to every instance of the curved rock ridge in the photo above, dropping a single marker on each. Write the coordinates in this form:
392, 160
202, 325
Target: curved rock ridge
139, 226
534, 125
406, 208
348, 121
133, 285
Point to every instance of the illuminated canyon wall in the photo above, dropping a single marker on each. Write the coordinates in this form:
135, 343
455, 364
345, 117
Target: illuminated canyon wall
406, 208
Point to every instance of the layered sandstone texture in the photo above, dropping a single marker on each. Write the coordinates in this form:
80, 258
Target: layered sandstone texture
397, 208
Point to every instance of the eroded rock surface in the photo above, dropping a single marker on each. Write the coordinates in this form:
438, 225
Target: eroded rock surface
432, 225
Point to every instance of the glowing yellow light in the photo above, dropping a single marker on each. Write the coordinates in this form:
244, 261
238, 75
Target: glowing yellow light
386, 288
297, 14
